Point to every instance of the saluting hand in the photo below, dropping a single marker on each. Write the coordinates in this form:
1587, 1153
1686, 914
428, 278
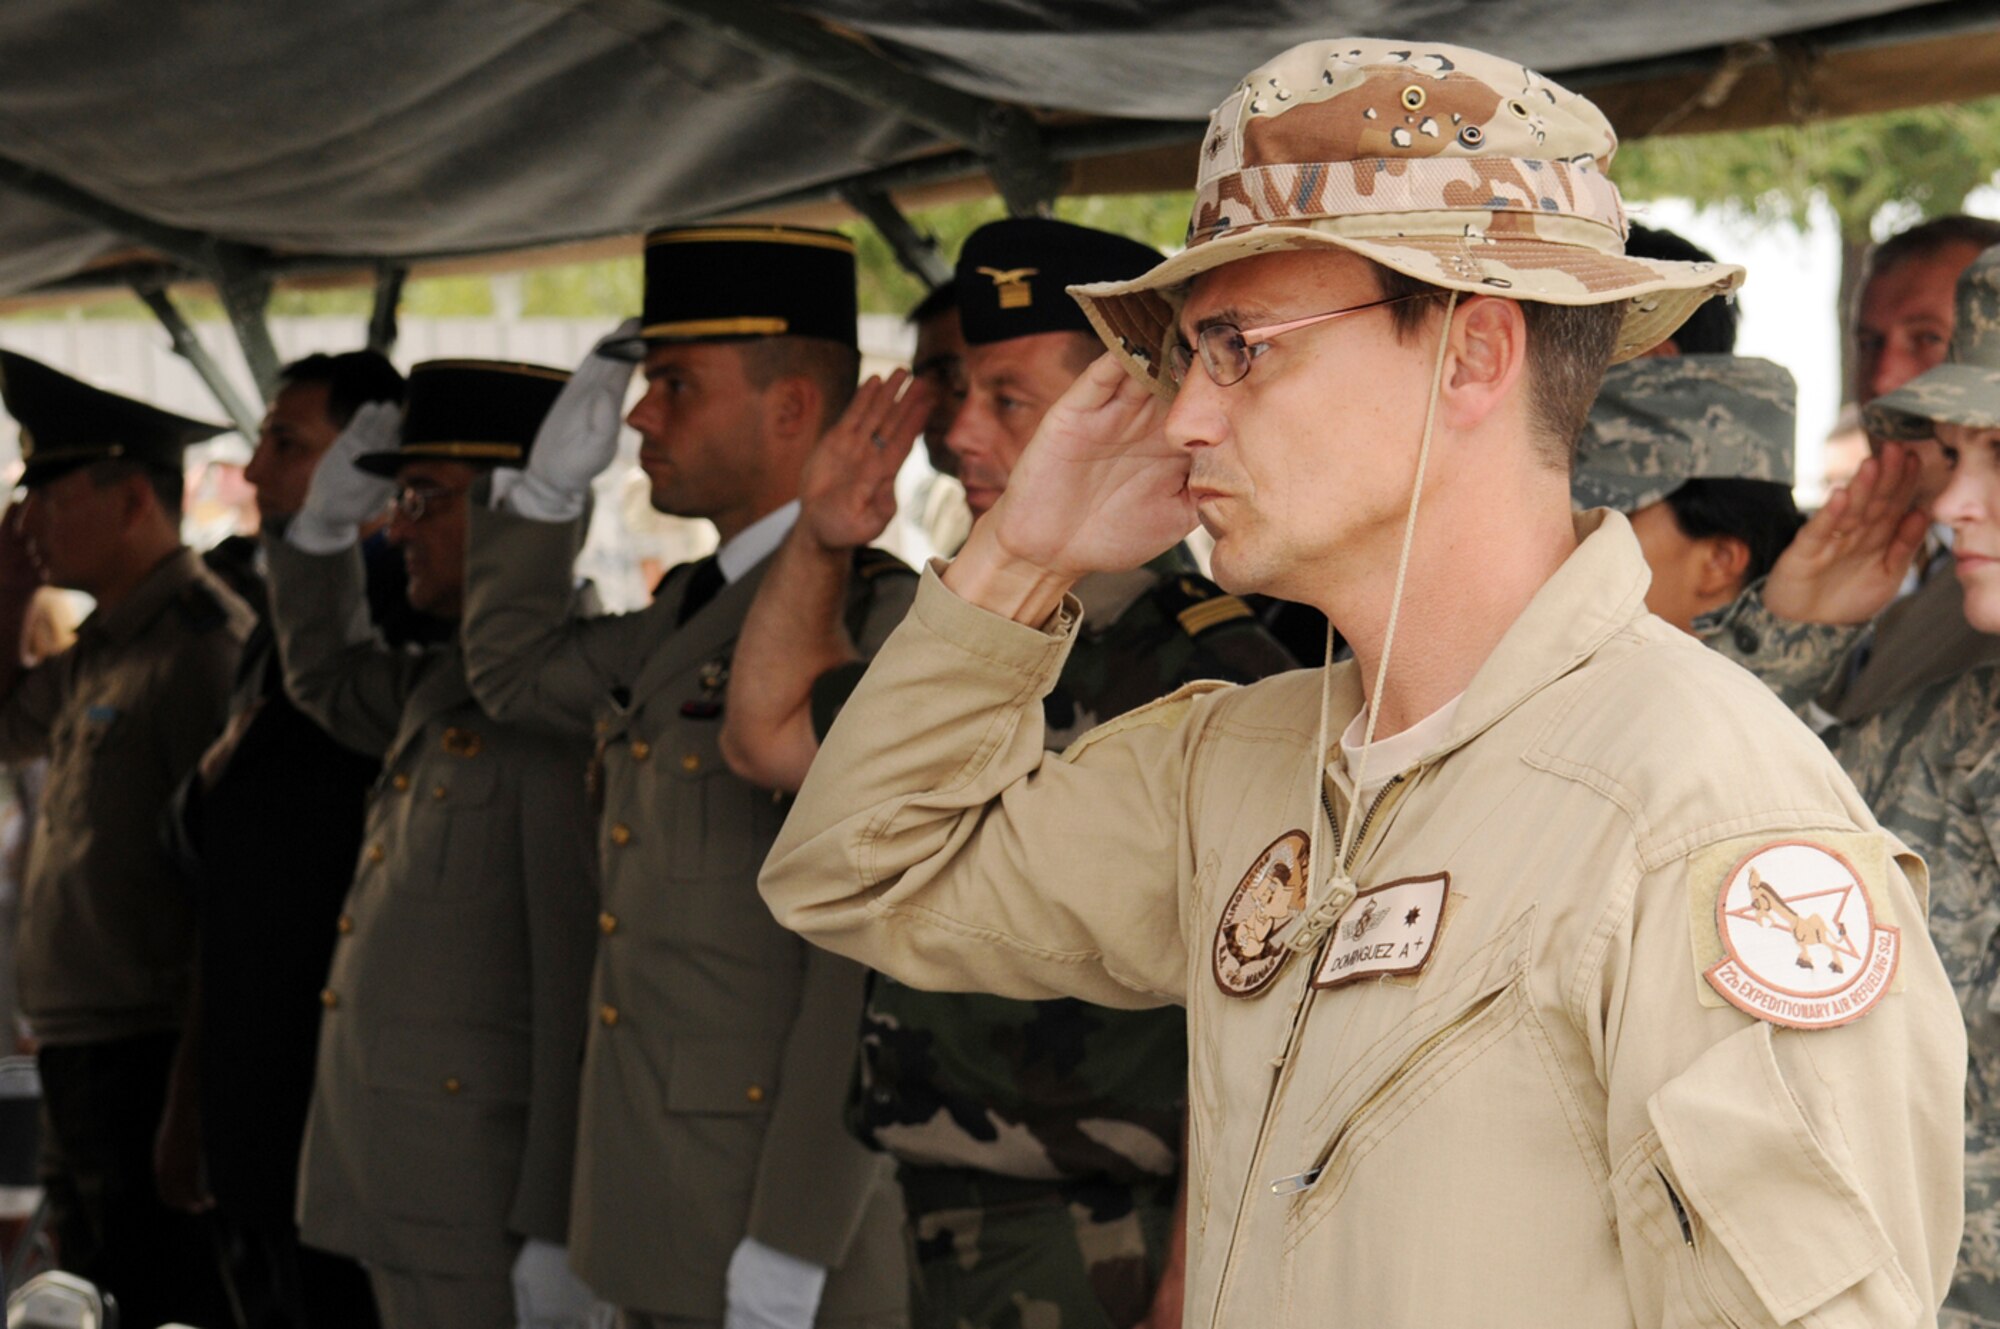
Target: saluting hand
847, 492
19, 574
1099, 487
578, 438
1846, 563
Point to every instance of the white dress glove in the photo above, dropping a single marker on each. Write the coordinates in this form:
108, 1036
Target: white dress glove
342, 495
577, 440
769, 1289
546, 1294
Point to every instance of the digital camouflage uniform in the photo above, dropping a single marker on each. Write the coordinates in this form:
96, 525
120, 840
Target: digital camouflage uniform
1659, 423
1040, 1142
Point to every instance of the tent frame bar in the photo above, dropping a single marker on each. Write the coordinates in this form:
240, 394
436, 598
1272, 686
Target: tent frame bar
1005, 138
188, 346
917, 252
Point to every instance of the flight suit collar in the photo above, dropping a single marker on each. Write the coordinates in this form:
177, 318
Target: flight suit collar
1599, 590
132, 615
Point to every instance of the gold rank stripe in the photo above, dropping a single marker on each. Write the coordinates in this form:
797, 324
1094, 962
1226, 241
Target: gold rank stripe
31, 453
719, 327
1199, 618
497, 367
501, 450
770, 235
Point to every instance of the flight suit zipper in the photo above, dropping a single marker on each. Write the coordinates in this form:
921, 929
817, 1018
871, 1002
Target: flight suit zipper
1346, 856
1695, 1252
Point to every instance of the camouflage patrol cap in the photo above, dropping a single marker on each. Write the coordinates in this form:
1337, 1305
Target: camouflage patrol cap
1661, 422
1449, 165
1965, 389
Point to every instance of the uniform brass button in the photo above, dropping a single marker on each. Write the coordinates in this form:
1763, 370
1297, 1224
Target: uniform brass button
329, 998
402, 780
607, 923
437, 792
451, 1084
607, 1015
621, 833
755, 1093
376, 853
641, 749
691, 762
345, 925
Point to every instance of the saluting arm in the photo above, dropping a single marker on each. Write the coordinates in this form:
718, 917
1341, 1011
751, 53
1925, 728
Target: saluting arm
559, 869
796, 629
337, 670
29, 698
528, 658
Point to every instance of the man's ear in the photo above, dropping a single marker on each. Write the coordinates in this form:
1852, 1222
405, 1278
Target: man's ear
792, 407
1725, 560
1486, 360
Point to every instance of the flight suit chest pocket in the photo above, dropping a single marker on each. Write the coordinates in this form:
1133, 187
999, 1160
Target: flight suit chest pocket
1396, 1054
455, 823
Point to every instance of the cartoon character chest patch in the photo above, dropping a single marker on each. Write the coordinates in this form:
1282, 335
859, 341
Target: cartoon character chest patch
1263, 911
1389, 931
1802, 943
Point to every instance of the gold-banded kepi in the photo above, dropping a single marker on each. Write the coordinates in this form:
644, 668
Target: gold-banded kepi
732, 283
484, 412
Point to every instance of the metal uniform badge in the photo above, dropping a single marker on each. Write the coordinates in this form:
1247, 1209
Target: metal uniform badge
462, 742
1011, 285
1803, 946
713, 678
1389, 931
1250, 938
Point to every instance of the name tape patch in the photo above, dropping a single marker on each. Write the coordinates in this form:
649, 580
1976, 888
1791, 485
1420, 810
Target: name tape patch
1389, 931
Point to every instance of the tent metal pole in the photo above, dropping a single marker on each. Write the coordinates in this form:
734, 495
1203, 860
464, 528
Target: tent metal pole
245, 290
917, 252
188, 346
382, 330
1006, 138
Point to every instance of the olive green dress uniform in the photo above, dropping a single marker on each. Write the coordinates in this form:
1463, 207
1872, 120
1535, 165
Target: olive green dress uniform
721, 1046
106, 945
443, 1119
107, 928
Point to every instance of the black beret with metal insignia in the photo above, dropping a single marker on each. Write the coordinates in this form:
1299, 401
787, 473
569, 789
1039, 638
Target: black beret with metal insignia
734, 283
1011, 275
484, 412
66, 423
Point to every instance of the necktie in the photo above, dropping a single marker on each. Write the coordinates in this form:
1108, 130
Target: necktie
704, 584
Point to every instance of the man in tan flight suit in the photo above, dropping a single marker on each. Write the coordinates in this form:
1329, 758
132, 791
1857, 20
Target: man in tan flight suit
1561, 978
438, 1147
107, 928
713, 1176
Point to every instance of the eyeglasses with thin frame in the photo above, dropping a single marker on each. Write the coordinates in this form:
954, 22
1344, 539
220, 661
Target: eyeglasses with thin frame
1225, 349
413, 502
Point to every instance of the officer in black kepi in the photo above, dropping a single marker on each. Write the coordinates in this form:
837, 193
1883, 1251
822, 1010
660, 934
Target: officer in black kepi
107, 929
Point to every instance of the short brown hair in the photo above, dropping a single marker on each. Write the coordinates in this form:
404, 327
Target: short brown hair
834, 368
1569, 348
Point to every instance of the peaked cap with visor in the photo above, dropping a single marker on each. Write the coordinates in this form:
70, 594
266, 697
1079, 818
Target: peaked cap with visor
1449, 165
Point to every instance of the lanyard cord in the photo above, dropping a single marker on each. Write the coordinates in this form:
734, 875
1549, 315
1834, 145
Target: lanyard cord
1322, 913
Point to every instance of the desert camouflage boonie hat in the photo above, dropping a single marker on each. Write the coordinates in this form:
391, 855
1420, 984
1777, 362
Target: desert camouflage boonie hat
1661, 422
1965, 389
1452, 166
